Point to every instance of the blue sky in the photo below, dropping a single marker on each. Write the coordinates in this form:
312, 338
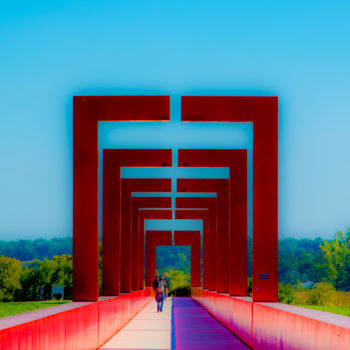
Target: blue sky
50, 51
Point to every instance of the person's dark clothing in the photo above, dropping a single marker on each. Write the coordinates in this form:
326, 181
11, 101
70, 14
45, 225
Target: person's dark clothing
160, 296
155, 284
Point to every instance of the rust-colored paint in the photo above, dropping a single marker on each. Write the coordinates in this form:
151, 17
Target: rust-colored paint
192, 239
138, 230
270, 325
209, 236
154, 239
237, 244
116, 249
221, 188
87, 112
263, 113
71, 326
129, 234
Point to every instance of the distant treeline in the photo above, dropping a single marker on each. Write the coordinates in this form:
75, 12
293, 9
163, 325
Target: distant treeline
300, 260
38, 249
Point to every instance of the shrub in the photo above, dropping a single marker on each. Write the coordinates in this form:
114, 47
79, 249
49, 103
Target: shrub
321, 294
285, 293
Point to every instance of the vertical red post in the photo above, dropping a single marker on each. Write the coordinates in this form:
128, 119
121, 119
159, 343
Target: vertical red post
142, 216
263, 113
192, 239
209, 236
203, 215
116, 249
221, 187
154, 238
128, 186
138, 236
236, 161
87, 112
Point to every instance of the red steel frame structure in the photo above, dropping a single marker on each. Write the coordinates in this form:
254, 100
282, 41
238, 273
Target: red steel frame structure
113, 161
204, 215
221, 188
192, 239
147, 215
154, 238
129, 241
88, 111
138, 228
237, 243
263, 113
209, 236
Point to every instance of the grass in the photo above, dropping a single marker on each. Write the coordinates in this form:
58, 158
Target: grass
13, 308
345, 311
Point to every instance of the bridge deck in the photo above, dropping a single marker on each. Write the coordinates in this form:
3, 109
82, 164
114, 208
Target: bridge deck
196, 329
193, 328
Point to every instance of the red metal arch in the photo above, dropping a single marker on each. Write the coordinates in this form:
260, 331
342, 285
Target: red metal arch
113, 160
87, 112
203, 215
154, 238
193, 239
209, 236
129, 242
138, 229
221, 188
263, 113
236, 161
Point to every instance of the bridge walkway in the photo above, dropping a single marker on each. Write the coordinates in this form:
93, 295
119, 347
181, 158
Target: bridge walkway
183, 325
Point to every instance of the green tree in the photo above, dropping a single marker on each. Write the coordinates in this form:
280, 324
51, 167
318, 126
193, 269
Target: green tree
30, 285
56, 271
285, 293
10, 273
178, 279
298, 259
336, 260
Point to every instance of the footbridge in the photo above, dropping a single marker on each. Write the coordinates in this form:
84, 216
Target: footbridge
207, 320
219, 314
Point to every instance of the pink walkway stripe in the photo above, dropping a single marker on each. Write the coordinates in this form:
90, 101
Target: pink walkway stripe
196, 329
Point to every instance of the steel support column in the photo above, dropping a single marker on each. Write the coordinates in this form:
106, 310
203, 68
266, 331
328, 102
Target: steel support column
203, 215
130, 254
87, 112
154, 238
116, 250
221, 188
138, 231
193, 239
209, 237
236, 161
263, 113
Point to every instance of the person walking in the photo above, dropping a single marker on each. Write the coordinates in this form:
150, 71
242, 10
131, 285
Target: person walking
160, 295
155, 284
41, 293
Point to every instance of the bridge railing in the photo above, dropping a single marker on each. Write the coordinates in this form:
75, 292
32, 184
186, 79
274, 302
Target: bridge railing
275, 325
71, 326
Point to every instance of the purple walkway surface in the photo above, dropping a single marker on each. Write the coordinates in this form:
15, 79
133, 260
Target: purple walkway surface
196, 329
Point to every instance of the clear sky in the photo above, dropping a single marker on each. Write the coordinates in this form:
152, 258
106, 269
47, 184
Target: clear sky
50, 51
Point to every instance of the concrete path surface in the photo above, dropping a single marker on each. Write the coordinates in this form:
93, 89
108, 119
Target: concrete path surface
147, 330
193, 329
